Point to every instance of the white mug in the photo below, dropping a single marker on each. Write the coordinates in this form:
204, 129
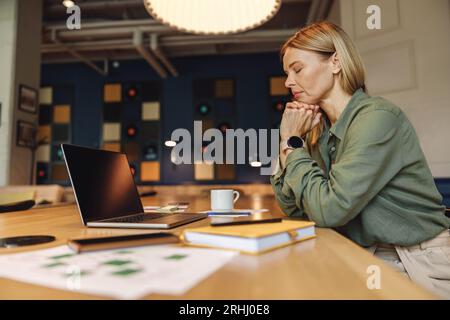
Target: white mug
223, 200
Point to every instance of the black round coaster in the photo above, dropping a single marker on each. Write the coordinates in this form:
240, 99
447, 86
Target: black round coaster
21, 241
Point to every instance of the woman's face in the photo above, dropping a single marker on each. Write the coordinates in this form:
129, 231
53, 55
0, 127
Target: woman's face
310, 75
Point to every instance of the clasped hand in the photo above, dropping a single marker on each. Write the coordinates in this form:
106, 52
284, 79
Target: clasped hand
298, 119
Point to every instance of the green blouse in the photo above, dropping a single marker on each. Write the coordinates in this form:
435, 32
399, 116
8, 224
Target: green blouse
367, 177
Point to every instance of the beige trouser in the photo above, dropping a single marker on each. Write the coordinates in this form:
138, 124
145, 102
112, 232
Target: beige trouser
427, 264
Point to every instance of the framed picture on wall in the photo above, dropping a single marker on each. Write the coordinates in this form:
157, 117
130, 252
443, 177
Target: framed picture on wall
26, 134
28, 99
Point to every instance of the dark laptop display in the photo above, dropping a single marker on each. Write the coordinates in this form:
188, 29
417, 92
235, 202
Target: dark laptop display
104, 186
107, 195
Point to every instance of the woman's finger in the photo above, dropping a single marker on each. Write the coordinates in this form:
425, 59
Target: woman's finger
316, 120
305, 106
315, 110
298, 105
290, 105
309, 119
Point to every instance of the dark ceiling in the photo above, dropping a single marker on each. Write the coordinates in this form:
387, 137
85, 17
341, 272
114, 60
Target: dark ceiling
109, 29
292, 14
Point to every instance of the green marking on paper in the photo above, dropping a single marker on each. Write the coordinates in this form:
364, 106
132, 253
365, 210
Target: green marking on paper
124, 252
176, 257
117, 262
54, 264
72, 274
126, 272
62, 256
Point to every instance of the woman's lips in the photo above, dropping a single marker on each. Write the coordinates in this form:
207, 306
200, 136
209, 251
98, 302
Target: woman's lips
297, 94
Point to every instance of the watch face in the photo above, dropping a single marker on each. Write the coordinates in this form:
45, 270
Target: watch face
295, 142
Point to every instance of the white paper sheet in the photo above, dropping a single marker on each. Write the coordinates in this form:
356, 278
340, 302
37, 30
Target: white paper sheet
123, 274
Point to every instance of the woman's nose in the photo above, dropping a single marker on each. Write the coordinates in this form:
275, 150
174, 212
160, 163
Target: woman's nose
289, 82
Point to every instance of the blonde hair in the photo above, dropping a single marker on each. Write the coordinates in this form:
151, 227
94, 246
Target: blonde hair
327, 38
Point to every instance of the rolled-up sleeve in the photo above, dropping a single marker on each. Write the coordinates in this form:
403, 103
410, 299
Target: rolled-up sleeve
370, 158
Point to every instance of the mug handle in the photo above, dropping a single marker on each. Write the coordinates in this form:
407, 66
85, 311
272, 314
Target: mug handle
236, 196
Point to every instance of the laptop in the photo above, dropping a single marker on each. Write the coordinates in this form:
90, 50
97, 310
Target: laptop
106, 194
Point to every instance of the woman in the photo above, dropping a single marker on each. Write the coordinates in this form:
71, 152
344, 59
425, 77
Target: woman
353, 162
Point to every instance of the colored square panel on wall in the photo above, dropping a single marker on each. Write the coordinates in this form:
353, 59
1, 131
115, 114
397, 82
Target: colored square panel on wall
277, 87
111, 132
203, 171
151, 91
224, 88
45, 115
59, 172
204, 88
150, 131
111, 146
44, 134
150, 151
60, 133
150, 111
207, 124
46, 95
112, 92
150, 171
43, 153
63, 94
112, 112
61, 114
131, 149
131, 112
225, 171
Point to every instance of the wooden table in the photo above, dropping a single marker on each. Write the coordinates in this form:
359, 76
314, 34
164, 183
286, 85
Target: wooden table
327, 267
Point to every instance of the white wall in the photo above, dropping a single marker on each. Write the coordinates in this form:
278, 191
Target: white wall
20, 57
27, 72
8, 10
335, 13
407, 62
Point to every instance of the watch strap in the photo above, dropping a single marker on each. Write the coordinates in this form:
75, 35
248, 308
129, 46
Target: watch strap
284, 146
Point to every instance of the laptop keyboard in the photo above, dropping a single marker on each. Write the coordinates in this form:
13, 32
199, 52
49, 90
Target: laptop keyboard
141, 217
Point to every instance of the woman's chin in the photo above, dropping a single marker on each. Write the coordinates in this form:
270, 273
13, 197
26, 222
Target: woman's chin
306, 101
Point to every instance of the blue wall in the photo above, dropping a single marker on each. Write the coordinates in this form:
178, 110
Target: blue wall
251, 74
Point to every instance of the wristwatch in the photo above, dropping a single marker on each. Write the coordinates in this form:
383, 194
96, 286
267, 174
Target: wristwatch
293, 142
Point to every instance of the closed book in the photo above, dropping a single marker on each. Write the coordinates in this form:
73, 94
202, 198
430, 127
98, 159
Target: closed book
252, 238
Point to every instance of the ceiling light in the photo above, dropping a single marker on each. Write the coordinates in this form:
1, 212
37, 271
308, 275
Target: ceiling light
212, 16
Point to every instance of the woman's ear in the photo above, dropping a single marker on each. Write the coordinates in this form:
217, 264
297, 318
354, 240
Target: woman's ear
335, 63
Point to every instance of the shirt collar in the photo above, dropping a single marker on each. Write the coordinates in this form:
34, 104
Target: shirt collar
342, 123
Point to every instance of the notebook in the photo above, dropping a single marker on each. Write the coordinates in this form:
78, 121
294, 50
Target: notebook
251, 239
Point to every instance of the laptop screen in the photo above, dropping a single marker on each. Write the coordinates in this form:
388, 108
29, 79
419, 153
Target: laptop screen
103, 184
